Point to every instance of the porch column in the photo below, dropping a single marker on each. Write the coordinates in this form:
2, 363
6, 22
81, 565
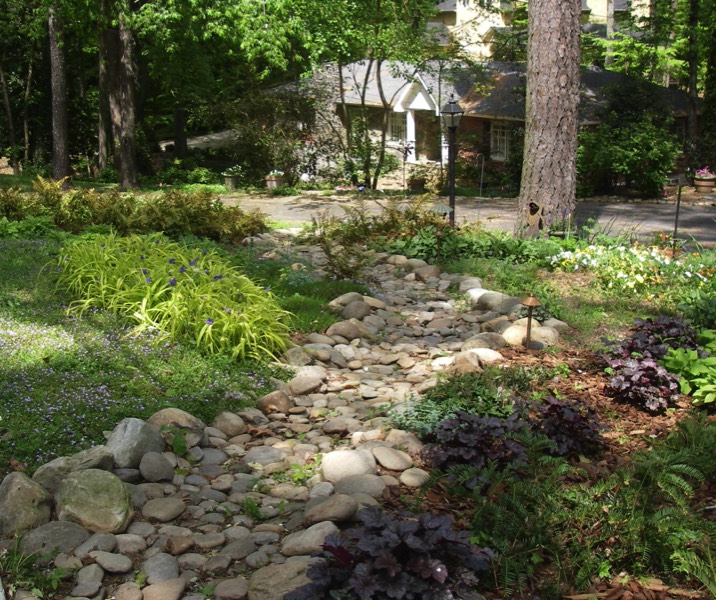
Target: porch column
410, 138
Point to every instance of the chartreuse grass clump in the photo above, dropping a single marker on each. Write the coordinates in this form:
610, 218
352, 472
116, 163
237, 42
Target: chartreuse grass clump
189, 295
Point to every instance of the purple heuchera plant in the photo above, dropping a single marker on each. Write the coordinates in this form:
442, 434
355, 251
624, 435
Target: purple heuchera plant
397, 557
643, 382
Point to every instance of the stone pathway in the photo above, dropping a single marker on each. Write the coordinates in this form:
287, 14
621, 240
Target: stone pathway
256, 493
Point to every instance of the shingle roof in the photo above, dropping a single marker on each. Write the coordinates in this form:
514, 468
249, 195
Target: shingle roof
494, 90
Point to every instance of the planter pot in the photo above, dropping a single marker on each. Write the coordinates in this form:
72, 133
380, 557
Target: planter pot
275, 181
232, 181
704, 186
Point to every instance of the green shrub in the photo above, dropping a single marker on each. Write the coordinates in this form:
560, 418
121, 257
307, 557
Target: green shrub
28, 228
199, 213
13, 204
181, 171
641, 154
176, 290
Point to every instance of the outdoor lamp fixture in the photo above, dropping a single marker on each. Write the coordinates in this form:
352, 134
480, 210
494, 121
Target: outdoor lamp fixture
531, 303
451, 114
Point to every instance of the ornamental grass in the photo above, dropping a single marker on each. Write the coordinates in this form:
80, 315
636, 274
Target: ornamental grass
187, 294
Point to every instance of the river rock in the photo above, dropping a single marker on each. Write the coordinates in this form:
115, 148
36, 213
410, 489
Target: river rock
51, 474
131, 440
308, 541
24, 504
169, 421
97, 500
339, 464
275, 581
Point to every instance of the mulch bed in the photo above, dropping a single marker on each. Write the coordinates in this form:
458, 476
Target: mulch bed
630, 431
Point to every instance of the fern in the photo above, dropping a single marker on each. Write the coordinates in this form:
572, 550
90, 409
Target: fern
702, 569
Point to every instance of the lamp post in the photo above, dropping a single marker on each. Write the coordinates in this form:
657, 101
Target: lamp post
451, 114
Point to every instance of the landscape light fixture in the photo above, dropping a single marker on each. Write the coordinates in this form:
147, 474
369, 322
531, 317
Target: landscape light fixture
451, 115
531, 303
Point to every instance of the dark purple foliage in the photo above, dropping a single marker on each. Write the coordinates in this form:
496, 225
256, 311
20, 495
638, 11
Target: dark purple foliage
474, 440
636, 375
652, 338
643, 382
573, 426
409, 556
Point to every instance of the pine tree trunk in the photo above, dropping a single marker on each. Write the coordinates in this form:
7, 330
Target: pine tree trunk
10, 124
692, 61
548, 187
58, 80
180, 141
104, 125
127, 82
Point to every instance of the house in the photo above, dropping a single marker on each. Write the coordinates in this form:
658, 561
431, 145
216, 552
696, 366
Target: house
491, 94
475, 25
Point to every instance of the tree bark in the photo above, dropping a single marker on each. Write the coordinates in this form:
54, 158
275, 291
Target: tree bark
104, 125
127, 82
609, 54
549, 169
692, 56
26, 110
58, 80
180, 141
10, 124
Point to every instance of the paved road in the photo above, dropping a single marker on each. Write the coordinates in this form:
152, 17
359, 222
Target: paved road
644, 219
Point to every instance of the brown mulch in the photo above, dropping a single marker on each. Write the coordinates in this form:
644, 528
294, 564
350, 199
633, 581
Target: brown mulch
629, 431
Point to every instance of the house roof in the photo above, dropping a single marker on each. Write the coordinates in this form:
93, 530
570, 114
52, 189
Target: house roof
495, 91
400, 82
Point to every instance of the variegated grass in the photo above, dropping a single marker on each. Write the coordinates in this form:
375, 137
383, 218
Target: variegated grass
187, 294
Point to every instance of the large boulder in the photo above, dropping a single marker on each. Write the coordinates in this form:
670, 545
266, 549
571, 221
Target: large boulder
131, 440
50, 475
55, 536
97, 500
24, 504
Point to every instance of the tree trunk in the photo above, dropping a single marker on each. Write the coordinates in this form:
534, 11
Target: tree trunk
58, 79
609, 54
180, 141
10, 124
104, 125
127, 82
25, 112
549, 169
692, 55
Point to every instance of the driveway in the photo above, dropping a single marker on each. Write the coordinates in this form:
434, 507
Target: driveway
642, 218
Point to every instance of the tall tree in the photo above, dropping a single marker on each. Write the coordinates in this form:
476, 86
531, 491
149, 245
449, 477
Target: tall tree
549, 173
60, 114
383, 33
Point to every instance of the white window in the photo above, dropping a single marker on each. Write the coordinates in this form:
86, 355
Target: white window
500, 140
397, 128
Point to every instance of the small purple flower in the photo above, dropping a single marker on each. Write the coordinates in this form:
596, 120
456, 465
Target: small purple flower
141, 257
182, 269
148, 280
210, 321
204, 252
171, 261
217, 277
145, 271
192, 263
172, 281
